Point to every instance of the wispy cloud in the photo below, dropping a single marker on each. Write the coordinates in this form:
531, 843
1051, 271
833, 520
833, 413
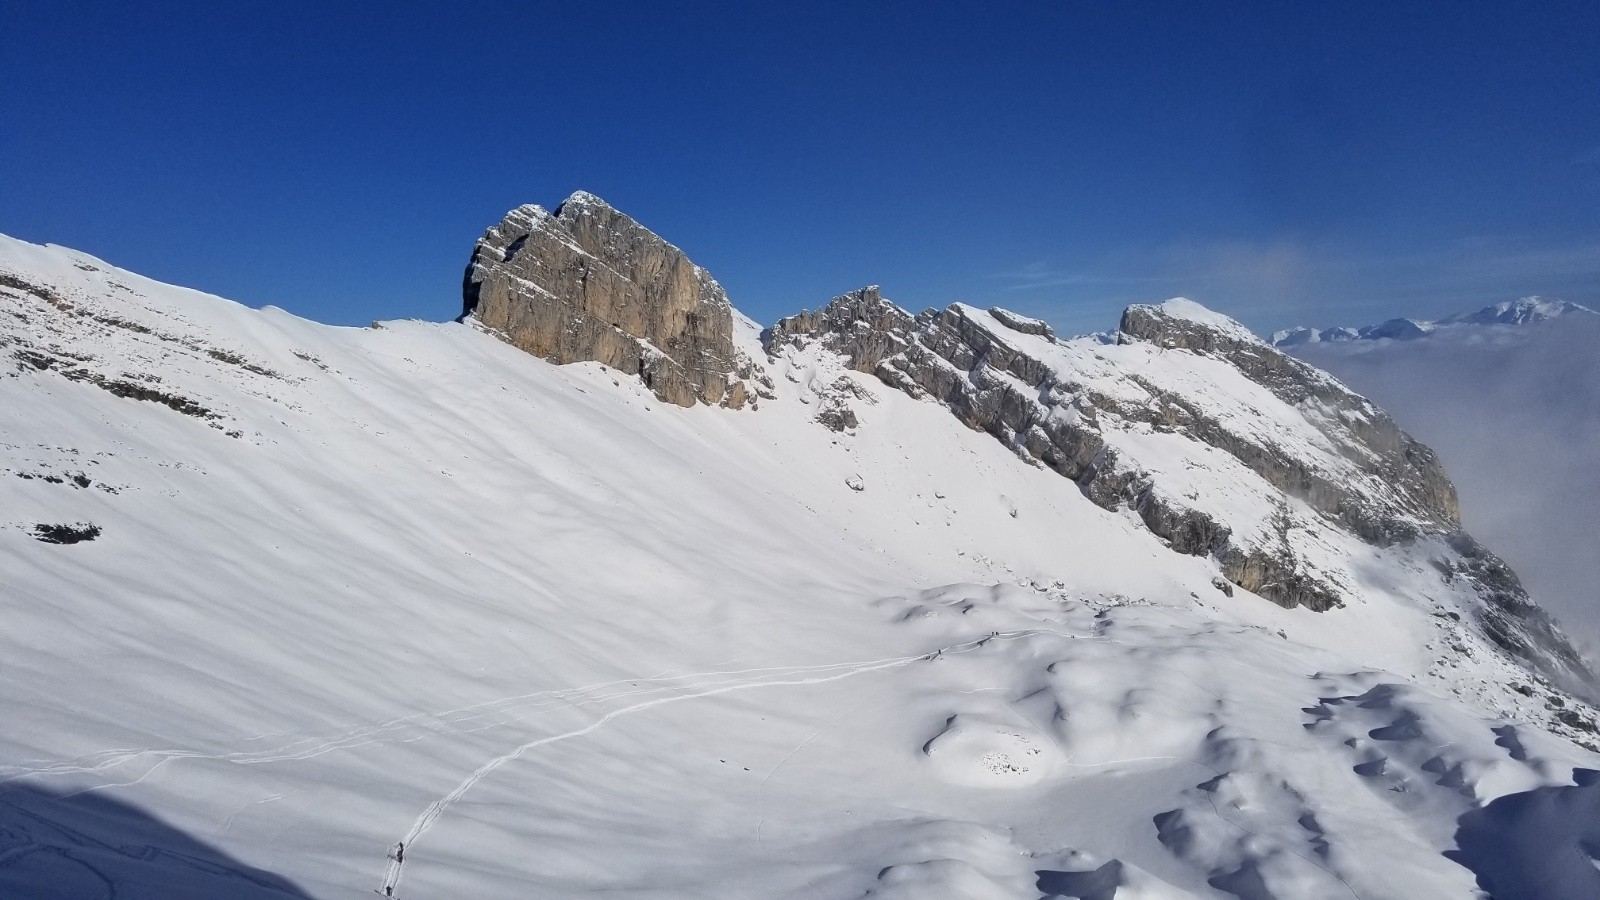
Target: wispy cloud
1043, 274
1275, 283
1523, 258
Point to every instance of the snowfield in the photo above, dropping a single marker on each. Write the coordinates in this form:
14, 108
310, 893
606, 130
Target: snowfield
354, 588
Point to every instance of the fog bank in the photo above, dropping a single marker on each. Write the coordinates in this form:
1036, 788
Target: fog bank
1515, 414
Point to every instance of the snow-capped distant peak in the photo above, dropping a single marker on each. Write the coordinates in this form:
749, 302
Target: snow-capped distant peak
1396, 329
1526, 311
1517, 312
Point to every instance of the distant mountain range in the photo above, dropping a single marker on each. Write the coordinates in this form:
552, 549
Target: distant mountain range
1512, 312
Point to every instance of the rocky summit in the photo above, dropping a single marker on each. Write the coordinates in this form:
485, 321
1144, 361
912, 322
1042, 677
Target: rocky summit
587, 283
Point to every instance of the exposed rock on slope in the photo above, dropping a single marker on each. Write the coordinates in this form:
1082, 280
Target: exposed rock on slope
1303, 461
1418, 489
1221, 445
589, 283
860, 326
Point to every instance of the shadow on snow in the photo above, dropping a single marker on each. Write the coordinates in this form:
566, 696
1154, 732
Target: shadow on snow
87, 846
1541, 844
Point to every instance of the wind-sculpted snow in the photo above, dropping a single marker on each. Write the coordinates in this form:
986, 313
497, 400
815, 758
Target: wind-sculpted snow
411, 585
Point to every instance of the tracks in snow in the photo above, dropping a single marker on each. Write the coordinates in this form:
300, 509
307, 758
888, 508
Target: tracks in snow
772, 677
657, 690
461, 720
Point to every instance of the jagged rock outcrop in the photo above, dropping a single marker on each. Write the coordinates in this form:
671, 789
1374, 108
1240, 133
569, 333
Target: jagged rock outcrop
586, 282
860, 326
1510, 617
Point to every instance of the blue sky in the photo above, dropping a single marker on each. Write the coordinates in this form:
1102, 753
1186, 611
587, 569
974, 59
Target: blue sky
1287, 163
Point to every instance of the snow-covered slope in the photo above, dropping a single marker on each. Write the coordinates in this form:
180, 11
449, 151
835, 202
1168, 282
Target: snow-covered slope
335, 589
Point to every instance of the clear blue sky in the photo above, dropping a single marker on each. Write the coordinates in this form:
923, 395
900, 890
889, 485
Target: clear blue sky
1285, 162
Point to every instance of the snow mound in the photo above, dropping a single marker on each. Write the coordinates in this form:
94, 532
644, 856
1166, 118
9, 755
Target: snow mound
991, 751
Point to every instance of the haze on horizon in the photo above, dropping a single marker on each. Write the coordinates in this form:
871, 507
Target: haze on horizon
1286, 164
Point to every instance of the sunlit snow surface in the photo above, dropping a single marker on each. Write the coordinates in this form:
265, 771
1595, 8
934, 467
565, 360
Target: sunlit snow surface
562, 640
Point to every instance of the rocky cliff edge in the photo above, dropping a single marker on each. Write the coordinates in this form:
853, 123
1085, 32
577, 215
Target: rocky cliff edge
587, 283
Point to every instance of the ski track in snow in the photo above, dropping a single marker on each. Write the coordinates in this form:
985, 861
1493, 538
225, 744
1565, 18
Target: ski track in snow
684, 686
383, 732
436, 809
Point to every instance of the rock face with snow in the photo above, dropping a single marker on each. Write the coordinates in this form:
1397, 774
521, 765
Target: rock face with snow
1221, 445
860, 326
1418, 491
589, 283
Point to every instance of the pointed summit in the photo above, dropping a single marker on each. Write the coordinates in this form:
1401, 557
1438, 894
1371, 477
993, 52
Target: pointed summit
1183, 323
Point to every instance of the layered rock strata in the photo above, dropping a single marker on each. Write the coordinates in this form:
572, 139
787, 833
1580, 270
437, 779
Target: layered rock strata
1418, 491
586, 282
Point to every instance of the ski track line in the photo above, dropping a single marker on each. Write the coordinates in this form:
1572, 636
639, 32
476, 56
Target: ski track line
92, 762
228, 823
102, 759
392, 874
377, 735
543, 700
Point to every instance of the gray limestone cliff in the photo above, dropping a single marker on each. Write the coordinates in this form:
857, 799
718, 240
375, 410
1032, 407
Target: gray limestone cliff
587, 283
